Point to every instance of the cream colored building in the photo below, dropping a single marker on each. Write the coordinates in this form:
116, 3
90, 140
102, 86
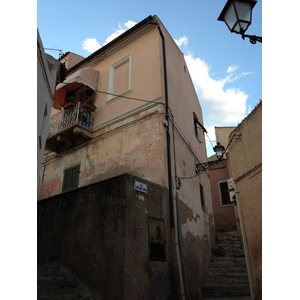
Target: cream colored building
245, 159
147, 123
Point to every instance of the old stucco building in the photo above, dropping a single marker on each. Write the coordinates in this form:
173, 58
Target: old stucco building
120, 202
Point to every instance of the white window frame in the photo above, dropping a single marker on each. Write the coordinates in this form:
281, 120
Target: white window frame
127, 58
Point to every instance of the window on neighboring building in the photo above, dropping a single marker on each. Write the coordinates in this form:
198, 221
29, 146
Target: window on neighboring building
224, 194
119, 82
202, 199
71, 176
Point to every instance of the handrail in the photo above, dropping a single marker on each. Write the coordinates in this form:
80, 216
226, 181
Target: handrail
78, 114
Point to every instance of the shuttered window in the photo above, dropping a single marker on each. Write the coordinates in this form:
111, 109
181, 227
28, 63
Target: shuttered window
70, 181
224, 194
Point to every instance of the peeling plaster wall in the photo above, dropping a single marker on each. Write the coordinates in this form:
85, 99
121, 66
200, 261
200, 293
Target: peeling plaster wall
135, 149
197, 225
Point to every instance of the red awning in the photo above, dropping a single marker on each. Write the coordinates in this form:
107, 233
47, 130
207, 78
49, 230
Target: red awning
85, 76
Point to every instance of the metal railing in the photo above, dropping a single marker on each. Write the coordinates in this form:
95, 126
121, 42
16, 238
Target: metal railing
77, 114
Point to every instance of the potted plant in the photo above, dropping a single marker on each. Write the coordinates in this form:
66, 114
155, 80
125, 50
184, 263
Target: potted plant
90, 102
70, 102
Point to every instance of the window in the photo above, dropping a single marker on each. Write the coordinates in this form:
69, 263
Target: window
119, 82
70, 181
156, 239
224, 194
198, 127
202, 199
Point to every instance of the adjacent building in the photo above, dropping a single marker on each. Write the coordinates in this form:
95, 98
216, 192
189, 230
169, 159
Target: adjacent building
225, 212
47, 71
245, 159
121, 204
236, 188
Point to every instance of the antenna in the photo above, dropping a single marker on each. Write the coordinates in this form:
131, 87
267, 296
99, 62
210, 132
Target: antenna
60, 51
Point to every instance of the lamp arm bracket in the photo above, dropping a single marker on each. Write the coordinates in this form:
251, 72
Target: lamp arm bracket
253, 38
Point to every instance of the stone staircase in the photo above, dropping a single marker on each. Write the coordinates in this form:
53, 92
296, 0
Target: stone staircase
55, 282
227, 276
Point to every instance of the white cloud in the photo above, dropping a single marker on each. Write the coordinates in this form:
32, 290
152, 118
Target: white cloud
232, 68
181, 41
121, 30
129, 24
221, 106
91, 45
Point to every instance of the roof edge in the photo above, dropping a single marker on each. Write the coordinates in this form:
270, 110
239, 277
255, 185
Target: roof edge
112, 43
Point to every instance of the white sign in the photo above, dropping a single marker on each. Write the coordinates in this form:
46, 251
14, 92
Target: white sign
139, 186
231, 190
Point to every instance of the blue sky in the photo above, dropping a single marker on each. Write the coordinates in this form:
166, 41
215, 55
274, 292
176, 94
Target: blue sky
226, 70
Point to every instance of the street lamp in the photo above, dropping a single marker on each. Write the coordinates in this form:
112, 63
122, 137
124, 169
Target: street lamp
219, 149
237, 14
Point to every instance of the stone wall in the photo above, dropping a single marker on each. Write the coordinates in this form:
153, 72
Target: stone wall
102, 233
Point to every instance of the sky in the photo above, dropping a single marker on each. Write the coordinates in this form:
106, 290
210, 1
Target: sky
226, 70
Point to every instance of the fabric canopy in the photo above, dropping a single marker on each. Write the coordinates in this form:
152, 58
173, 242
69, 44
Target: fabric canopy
85, 76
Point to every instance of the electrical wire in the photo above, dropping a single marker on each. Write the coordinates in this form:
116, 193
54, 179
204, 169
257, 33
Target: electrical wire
119, 96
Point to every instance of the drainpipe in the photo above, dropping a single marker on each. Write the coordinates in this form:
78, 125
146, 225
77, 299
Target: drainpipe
173, 201
178, 254
170, 183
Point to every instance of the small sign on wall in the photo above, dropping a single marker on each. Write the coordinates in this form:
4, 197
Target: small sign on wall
139, 186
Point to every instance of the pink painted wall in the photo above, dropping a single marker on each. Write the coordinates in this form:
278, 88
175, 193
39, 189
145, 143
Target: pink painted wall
224, 216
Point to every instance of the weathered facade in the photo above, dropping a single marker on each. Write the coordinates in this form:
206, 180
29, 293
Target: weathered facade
148, 124
245, 159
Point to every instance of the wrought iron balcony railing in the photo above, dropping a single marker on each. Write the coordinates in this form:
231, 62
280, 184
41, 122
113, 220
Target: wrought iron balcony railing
77, 114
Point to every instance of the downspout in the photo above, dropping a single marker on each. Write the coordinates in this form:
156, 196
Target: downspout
177, 248
170, 183
173, 201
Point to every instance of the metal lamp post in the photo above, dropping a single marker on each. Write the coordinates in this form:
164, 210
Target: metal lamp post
219, 149
237, 14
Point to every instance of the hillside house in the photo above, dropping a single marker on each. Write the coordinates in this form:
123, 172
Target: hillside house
120, 202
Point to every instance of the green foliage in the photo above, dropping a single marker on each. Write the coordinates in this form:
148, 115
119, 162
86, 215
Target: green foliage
90, 99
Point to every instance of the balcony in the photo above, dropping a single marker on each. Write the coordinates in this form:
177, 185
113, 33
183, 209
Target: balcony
69, 128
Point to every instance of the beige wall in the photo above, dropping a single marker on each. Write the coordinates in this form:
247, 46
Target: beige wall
222, 134
245, 154
71, 59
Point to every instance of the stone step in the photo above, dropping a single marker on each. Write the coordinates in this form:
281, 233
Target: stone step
55, 282
227, 275
65, 292
226, 280
235, 261
226, 290
218, 272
